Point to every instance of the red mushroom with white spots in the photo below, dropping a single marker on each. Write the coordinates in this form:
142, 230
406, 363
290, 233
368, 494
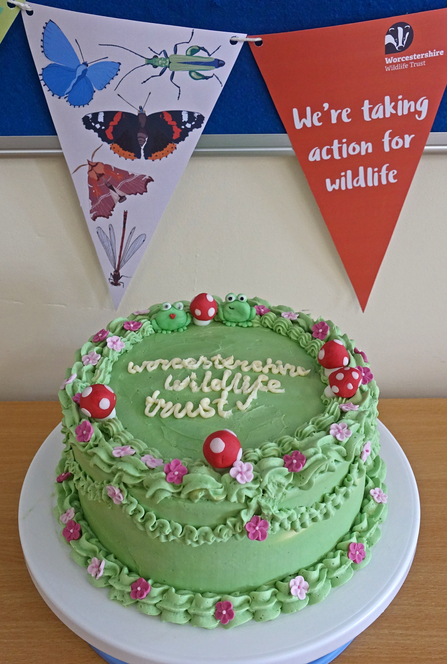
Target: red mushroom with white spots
98, 401
345, 382
222, 448
333, 355
203, 308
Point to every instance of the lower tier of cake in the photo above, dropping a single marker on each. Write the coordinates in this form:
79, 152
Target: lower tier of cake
133, 638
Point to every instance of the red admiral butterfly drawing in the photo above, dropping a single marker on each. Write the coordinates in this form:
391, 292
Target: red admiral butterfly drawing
151, 136
108, 185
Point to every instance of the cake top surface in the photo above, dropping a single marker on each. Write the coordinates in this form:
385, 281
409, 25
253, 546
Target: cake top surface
284, 402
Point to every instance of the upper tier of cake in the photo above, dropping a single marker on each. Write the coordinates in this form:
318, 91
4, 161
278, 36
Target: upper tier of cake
261, 379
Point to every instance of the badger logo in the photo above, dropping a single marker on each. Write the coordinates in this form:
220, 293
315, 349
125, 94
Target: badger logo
398, 38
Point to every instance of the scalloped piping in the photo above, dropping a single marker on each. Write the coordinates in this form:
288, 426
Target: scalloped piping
264, 603
145, 519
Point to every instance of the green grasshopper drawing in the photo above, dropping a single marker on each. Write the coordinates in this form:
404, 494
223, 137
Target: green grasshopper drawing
190, 62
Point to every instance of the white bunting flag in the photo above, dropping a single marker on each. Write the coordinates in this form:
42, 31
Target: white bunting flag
129, 101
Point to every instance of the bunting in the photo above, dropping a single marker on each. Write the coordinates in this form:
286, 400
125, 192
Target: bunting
8, 13
129, 101
358, 102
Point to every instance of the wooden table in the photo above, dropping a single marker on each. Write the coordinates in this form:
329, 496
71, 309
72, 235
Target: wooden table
412, 629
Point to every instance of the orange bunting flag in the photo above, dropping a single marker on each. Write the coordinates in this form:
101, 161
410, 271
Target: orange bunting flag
358, 102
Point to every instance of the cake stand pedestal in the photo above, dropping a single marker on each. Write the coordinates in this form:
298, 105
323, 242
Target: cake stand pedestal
315, 635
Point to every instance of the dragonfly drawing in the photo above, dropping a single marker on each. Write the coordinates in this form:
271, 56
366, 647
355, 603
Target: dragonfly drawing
125, 254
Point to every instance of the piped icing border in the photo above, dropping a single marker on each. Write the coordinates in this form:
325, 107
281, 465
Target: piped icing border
277, 516
203, 610
323, 453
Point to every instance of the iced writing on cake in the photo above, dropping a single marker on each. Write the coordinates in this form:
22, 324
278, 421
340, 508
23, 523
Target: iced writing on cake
219, 363
236, 383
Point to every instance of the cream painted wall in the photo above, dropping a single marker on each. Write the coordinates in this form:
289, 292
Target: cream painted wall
243, 224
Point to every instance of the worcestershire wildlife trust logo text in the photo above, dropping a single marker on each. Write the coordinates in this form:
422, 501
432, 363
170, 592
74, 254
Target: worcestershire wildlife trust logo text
398, 38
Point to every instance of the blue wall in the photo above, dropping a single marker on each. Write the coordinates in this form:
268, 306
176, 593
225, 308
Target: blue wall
245, 106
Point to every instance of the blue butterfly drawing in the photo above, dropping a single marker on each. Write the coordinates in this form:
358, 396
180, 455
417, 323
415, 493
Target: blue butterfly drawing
69, 78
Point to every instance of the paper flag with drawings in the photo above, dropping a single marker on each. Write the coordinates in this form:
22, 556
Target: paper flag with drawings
358, 102
143, 94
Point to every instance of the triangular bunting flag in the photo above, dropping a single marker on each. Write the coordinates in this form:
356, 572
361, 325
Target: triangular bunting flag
129, 101
7, 15
358, 102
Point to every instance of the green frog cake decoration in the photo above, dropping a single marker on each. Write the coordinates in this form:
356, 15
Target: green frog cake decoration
236, 311
171, 318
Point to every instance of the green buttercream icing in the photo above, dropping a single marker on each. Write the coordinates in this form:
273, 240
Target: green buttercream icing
313, 514
269, 416
265, 602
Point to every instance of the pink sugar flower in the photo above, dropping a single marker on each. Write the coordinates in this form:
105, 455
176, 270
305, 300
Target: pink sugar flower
63, 476
290, 315
261, 310
91, 358
366, 451
72, 531
115, 343
257, 528
84, 432
224, 612
125, 450
367, 375
100, 336
132, 325
340, 431
77, 397
378, 495
298, 587
294, 462
320, 330
356, 552
151, 461
115, 494
67, 516
175, 471
346, 407
96, 568
360, 352
242, 472
67, 381
140, 588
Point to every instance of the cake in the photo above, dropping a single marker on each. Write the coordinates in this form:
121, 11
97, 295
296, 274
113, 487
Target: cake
221, 460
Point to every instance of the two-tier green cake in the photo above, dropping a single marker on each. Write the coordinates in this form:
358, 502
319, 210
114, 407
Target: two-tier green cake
232, 479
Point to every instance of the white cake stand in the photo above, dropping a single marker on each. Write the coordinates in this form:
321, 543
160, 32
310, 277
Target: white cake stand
125, 635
